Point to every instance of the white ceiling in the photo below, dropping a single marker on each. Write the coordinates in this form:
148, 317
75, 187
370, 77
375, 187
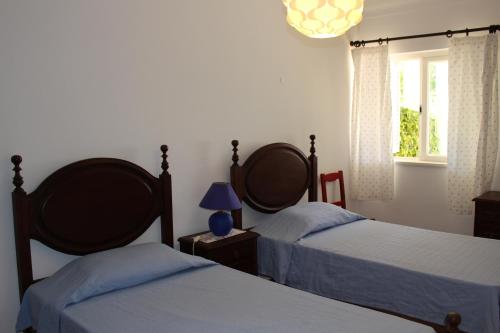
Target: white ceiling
373, 8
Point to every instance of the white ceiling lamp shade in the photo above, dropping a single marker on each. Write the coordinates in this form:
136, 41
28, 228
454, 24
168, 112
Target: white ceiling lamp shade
323, 18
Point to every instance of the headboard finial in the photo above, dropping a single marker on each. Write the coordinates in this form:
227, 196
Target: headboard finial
164, 163
452, 322
18, 179
313, 149
236, 158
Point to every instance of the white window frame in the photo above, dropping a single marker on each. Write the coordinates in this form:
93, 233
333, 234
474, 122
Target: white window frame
424, 58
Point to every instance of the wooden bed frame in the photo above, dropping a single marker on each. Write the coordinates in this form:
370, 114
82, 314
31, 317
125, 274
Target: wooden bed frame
88, 206
276, 176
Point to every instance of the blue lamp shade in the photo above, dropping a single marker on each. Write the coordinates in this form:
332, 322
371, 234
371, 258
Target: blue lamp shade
220, 196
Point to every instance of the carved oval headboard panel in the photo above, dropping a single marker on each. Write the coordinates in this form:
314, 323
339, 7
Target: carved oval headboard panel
93, 205
88, 206
276, 177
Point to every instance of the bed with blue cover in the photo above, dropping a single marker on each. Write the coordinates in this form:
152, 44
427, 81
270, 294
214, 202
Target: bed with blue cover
153, 288
329, 251
338, 254
94, 208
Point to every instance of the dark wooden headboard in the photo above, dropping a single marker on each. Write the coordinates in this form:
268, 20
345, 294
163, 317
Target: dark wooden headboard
274, 177
88, 206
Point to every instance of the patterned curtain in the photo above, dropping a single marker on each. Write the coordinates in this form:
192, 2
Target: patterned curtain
473, 119
372, 167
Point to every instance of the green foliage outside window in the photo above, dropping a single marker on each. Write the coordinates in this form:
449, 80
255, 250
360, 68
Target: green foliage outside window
433, 125
409, 136
434, 138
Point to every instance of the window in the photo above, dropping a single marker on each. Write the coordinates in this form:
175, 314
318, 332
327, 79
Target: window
420, 100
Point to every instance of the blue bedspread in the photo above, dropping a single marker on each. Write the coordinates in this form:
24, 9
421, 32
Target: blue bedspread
217, 299
417, 272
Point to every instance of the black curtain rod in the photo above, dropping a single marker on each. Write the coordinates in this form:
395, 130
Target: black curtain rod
492, 29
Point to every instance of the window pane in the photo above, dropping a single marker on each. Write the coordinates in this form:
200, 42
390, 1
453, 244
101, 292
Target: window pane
437, 106
408, 72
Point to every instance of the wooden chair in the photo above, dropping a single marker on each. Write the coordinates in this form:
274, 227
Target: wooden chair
332, 177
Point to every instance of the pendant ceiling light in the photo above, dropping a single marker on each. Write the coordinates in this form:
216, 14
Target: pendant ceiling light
323, 18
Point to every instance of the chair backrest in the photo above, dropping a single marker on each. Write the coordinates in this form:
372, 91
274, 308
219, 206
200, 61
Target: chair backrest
332, 177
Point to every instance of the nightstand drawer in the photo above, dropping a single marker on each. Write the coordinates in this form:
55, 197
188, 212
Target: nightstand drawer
487, 215
248, 266
233, 253
486, 234
487, 225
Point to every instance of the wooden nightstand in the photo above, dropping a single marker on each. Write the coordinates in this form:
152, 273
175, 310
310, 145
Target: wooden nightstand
487, 215
238, 252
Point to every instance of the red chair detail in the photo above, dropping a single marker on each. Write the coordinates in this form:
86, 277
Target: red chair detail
332, 177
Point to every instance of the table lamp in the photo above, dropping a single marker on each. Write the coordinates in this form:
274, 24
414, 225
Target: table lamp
221, 197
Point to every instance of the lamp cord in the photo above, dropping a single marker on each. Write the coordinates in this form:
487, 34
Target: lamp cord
195, 240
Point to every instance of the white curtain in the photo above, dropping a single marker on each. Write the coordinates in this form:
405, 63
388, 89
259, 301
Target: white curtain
372, 167
473, 119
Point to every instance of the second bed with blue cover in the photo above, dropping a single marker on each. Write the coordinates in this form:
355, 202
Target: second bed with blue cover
332, 252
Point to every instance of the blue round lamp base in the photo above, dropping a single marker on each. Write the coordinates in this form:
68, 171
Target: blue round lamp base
220, 223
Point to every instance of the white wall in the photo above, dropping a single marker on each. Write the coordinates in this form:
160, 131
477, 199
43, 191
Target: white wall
420, 191
118, 78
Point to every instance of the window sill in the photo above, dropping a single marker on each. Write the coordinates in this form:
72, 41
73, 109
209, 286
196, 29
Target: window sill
416, 162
